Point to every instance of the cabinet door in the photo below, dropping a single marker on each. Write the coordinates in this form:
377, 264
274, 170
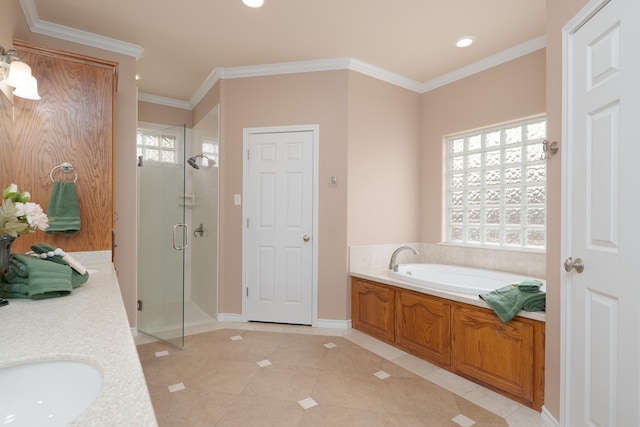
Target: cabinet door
424, 326
372, 309
73, 122
498, 354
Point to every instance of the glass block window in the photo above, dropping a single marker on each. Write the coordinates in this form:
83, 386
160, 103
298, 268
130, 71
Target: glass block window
496, 186
157, 146
210, 150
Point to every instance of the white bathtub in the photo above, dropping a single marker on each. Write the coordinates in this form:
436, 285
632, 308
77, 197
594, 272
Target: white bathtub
454, 278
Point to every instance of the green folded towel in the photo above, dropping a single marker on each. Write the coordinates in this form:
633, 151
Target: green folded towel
30, 277
530, 285
63, 210
508, 301
77, 279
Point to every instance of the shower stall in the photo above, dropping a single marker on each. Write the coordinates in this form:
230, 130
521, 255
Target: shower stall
177, 228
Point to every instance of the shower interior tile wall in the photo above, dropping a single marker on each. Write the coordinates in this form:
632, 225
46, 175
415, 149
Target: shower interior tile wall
376, 257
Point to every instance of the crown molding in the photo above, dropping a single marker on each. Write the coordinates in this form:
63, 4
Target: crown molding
367, 69
302, 67
162, 100
486, 63
284, 68
206, 86
50, 29
37, 25
384, 75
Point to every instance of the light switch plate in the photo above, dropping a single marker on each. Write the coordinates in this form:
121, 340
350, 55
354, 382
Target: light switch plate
237, 200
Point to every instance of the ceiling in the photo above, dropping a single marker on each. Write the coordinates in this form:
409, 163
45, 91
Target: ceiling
184, 41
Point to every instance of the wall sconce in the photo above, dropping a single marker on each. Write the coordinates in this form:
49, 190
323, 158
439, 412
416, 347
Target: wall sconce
15, 73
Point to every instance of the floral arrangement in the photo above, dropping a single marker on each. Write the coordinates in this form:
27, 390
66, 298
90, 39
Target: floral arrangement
18, 215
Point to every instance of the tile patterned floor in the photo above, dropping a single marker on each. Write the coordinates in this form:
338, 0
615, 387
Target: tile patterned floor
248, 374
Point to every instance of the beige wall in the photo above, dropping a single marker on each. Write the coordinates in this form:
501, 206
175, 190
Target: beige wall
510, 91
383, 166
558, 14
7, 24
162, 114
207, 103
9, 18
295, 99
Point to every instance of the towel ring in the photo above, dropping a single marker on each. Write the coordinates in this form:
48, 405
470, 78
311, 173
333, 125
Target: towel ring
66, 168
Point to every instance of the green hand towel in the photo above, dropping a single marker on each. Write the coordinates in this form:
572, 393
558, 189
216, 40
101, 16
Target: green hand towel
63, 210
43, 279
77, 279
508, 301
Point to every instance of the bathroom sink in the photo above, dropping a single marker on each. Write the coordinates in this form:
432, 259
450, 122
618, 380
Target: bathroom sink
47, 393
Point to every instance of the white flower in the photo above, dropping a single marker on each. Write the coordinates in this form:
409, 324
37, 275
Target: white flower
18, 215
36, 217
21, 207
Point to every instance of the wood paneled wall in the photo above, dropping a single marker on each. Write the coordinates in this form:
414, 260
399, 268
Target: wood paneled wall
73, 122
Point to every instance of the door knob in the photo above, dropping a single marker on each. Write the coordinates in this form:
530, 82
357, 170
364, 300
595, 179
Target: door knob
577, 264
306, 237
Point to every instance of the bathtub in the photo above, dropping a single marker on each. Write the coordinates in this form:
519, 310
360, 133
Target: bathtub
453, 278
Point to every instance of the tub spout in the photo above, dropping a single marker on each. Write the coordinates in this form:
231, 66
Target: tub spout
393, 265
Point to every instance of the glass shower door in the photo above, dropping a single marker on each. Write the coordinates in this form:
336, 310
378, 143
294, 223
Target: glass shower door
162, 234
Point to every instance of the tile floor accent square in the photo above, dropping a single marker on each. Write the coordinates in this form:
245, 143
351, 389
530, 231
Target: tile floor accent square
307, 403
236, 338
264, 363
162, 353
176, 387
463, 421
330, 345
382, 375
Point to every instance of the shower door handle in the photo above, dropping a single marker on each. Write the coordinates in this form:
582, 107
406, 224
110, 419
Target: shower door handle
185, 236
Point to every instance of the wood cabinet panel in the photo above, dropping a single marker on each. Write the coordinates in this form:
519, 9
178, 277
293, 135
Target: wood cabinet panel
468, 340
423, 326
73, 122
500, 355
373, 309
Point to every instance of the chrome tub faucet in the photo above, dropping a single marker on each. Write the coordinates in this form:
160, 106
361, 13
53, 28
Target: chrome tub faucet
393, 265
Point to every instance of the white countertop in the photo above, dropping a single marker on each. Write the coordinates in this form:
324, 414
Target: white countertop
382, 276
89, 325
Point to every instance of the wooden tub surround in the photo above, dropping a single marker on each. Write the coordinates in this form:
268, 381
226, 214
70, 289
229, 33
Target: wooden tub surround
468, 340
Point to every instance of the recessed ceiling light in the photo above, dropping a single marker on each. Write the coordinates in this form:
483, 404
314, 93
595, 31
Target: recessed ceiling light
138, 77
465, 41
253, 3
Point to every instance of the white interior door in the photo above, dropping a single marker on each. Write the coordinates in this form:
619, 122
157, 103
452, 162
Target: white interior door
279, 255
601, 305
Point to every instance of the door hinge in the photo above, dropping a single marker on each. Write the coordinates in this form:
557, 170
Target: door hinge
139, 305
248, 154
247, 291
247, 222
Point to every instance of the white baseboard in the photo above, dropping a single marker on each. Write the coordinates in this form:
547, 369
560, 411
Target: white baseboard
320, 323
229, 317
333, 324
547, 419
